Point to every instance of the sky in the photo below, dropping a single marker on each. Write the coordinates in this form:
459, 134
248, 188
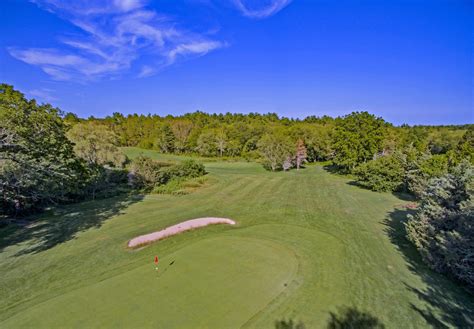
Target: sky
409, 61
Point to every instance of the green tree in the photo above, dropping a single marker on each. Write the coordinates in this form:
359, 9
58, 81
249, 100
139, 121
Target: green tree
207, 144
165, 141
96, 144
275, 148
358, 138
181, 130
420, 168
442, 228
37, 163
212, 142
464, 149
317, 139
385, 173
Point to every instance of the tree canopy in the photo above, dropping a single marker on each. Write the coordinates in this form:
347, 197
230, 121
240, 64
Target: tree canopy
37, 161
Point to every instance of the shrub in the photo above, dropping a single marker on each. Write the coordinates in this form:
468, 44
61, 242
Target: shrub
148, 173
180, 185
382, 174
443, 227
188, 168
144, 172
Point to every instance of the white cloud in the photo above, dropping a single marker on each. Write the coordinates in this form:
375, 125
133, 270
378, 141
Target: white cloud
255, 9
146, 71
45, 56
127, 5
43, 95
114, 35
197, 48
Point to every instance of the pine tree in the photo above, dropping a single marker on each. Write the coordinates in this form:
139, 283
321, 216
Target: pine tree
165, 141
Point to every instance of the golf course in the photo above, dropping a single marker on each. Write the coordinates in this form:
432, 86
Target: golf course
308, 246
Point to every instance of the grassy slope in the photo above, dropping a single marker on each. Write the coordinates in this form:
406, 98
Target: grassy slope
307, 244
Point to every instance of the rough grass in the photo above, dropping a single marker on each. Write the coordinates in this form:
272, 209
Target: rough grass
181, 186
309, 248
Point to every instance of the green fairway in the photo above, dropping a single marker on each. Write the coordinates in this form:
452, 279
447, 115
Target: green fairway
307, 244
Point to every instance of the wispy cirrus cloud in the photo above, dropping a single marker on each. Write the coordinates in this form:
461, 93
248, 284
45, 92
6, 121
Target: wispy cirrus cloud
115, 38
43, 95
260, 8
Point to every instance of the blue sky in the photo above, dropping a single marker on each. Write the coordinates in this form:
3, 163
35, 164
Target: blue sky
408, 61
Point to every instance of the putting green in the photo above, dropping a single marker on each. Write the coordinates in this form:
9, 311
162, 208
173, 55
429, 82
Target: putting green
224, 280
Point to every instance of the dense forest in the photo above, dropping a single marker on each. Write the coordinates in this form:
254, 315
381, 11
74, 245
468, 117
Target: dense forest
48, 157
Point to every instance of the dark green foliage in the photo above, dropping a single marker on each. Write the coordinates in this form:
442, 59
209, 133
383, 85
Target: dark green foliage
186, 169
464, 149
144, 172
443, 227
104, 182
385, 173
420, 168
358, 138
408, 171
37, 163
165, 139
148, 173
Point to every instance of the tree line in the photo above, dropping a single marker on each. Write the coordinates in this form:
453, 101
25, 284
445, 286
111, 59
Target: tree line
348, 141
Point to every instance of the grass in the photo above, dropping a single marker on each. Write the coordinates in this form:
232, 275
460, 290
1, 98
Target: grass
181, 186
308, 247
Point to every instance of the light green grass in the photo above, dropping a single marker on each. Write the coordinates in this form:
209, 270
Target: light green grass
306, 244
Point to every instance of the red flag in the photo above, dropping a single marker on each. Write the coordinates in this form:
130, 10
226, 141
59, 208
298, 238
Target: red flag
156, 260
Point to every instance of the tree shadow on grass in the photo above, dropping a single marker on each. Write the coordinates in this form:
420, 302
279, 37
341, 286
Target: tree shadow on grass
61, 224
333, 169
447, 303
405, 196
352, 318
289, 324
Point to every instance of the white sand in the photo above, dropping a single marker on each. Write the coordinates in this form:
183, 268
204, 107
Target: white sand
178, 228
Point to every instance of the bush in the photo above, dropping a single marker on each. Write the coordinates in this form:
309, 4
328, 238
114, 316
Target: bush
148, 173
382, 174
443, 227
144, 172
188, 168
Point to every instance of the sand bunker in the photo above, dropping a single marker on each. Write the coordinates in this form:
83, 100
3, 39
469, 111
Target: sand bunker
178, 228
